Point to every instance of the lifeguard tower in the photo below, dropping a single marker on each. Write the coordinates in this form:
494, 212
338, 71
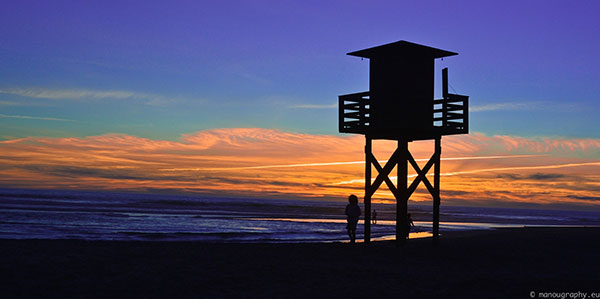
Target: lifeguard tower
400, 106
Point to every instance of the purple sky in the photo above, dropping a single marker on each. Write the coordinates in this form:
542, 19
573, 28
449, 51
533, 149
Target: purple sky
78, 68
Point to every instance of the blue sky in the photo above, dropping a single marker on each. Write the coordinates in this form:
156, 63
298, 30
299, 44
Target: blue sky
159, 70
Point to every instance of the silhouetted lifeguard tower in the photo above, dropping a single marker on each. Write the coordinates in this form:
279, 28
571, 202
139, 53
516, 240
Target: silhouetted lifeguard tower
400, 106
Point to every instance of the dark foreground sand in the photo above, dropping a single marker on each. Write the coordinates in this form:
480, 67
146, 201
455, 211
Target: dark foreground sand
506, 263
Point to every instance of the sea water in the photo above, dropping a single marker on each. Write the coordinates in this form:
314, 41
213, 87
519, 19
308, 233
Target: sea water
100, 215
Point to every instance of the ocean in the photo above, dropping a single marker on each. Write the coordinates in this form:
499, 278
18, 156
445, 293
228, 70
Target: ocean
101, 215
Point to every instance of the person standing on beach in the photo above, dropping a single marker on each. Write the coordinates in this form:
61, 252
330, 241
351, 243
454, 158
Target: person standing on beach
374, 217
352, 215
409, 224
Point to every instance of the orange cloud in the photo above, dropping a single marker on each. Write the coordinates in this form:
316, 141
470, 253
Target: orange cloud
476, 169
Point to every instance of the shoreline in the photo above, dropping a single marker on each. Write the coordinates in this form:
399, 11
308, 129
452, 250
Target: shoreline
484, 263
446, 228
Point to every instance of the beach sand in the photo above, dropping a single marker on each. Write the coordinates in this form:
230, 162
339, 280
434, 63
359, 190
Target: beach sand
503, 263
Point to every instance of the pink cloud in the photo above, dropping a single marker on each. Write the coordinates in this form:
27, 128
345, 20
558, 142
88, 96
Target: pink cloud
555, 146
257, 162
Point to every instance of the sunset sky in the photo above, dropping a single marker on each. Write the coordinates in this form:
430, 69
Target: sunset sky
238, 98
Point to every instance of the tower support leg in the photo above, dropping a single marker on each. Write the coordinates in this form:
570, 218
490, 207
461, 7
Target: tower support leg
436, 193
402, 194
368, 191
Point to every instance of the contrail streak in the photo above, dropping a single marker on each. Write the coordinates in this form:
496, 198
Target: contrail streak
35, 117
343, 163
356, 181
523, 168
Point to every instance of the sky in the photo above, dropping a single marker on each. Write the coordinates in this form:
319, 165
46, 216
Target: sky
192, 96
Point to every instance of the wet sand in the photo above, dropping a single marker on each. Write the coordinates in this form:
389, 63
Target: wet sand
503, 263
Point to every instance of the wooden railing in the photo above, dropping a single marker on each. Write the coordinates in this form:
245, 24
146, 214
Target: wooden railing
450, 114
354, 112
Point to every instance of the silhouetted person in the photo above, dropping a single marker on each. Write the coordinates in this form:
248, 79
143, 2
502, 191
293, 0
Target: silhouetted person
374, 217
409, 224
352, 215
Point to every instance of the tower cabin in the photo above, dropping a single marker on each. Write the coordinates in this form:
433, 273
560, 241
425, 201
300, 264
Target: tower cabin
400, 103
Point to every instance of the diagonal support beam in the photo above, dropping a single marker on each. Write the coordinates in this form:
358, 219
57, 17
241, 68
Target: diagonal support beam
386, 178
421, 174
383, 173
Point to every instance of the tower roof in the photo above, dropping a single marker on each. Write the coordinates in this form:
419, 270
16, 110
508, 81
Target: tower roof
402, 49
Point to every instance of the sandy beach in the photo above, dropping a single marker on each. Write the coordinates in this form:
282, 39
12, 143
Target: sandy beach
503, 263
